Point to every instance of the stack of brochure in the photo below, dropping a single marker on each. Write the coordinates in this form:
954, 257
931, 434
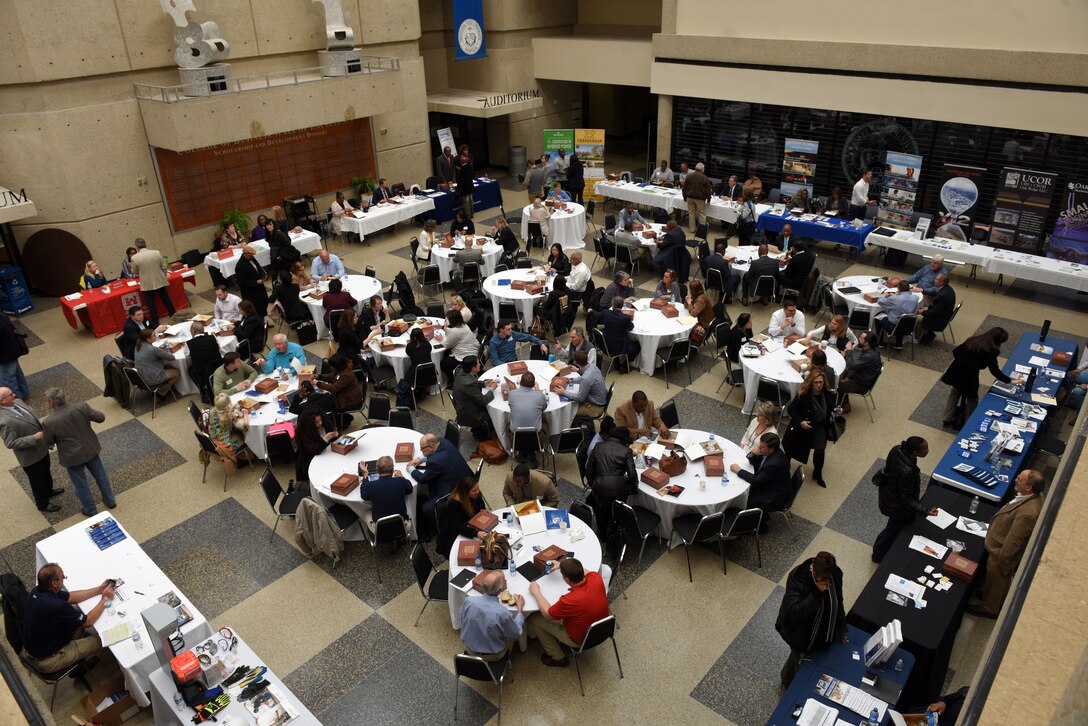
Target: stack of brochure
880, 647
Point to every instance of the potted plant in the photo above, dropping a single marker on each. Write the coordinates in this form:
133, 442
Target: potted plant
363, 185
240, 219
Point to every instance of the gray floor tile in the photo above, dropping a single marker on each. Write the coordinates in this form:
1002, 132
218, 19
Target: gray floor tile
859, 515
1040, 293
930, 410
703, 413
758, 646
32, 340
21, 557
357, 571
780, 547
76, 386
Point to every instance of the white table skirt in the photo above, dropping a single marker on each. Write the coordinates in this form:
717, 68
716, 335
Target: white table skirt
444, 258
379, 217
653, 330
953, 250
586, 550
179, 333
522, 299
566, 228
559, 415
373, 444
361, 287
865, 284
86, 566
266, 415
776, 366
1059, 273
398, 357
226, 266
714, 498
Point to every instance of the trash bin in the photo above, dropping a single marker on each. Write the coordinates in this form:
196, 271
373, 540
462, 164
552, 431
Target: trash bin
14, 295
516, 161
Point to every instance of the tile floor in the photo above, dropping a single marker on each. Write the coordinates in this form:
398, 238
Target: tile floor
702, 652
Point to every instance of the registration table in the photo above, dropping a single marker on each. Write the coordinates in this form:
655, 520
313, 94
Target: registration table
818, 227
558, 416
498, 287
179, 333
261, 419
844, 289
702, 494
87, 566
846, 662
1062, 274
653, 330
380, 216
586, 550
104, 310
446, 258
398, 355
773, 362
929, 632
373, 444
566, 228
361, 287
486, 194
303, 240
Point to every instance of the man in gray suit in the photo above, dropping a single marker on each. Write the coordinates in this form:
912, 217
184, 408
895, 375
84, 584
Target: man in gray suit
22, 432
527, 407
69, 427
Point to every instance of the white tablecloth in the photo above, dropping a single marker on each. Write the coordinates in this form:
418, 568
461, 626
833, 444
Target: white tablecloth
586, 550
559, 415
1069, 275
379, 217
266, 415
361, 287
398, 357
776, 366
305, 242
714, 498
167, 714
669, 199
566, 228
953, 250
522, 299
867, 284
444, 258
653, 330
179, 333
86, 566
373, 443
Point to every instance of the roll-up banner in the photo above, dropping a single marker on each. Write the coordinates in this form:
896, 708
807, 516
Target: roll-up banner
589, 143
899, 189
1023, 200
1070, 239
958, 201
798, 166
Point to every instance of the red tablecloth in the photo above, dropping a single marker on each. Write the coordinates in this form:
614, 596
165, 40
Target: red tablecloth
104, 313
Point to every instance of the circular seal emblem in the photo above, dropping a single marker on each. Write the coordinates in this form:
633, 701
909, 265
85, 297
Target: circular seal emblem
470, 37
865, 146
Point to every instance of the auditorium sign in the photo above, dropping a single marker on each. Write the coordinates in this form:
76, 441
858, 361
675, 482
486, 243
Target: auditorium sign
483, 104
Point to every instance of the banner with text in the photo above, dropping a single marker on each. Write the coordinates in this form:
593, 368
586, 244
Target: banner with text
468, 29
958, 201
1070, 239
798, 166
589, 143
556, 139
445, 138
1023, 200
900, 189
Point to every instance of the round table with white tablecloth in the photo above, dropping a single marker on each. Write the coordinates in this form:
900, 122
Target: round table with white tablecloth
227, 263
361, 287
269, 412
445, 258
776, 366
866, 284
715, 497
398, 356
373, 444
586, 550
498, 288
565, 228
559, 414
653, 330
179, 333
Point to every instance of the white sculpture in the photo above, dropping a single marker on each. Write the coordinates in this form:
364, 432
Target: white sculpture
338, 33
198, 45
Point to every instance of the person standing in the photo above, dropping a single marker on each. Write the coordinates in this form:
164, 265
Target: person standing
576, 180
859, 199
444, 169
466, 175
611, 468
22, 433
69, 427
697, 192
250, 277
900, 490
968, 358
560, 167
812, 615
12, 348
811, 414
150, 267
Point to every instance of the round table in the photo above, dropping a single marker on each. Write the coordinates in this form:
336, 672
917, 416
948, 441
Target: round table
179, 333
505, 293
444, 257
266, 415
226, 265
866, 284
373, 444
559, 415
714, 498
586, 550
361, 287
398, 357
653, 330
565, 228
776, 366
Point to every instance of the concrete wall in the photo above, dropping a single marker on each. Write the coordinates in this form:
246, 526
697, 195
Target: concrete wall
615, 61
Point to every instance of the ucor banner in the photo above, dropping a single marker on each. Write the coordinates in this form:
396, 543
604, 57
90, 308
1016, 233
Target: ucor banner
1023, 200
1070, 240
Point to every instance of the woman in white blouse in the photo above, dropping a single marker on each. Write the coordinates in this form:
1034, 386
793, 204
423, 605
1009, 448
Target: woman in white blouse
837, 333
766, 421
426, 240
540, 213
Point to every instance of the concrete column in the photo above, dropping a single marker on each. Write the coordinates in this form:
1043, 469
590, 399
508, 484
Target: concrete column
664, 128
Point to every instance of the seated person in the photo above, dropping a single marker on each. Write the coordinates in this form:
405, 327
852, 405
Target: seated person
326, 265
343, 385
770, 488
552, 309
527, 406
488, 628
662, 175
126, 264
471, 396
204, 355
234, 376
54, 629
282, 355
524, 484
799, 267
504, 237
300, 276
837, 334
739, 334
151, 363
788, 322
640, 417
730, 278
588, 389
130, 333
337, 298
622, 286
250, 327
540, 214
568, 620
375, 315
924, 279
669, 287
558, 195
386, 494
92, 277
382, 194
437, 470
765, 422
464, 503
863, 366
895, 307
762, 266
227, 424
629, 215
226, 305
462, 224
308, 395
617, 325
558, 260
259, 231
503, 345
286, 295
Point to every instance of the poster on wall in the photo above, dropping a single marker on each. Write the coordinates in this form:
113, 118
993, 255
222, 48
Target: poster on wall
445, 138
556, 139
468, 29
1023, 200
1070, 239
589, 143
899, 189
798, 166
958, 201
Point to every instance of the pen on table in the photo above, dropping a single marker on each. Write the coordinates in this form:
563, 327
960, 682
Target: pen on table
138, 592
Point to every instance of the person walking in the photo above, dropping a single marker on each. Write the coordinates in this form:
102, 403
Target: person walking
900, 489
69, 427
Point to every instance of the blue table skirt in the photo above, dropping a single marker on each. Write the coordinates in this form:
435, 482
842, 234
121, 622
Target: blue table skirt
487, 195
837, 231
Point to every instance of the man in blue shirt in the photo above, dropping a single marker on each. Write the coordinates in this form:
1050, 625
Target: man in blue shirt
282, 354
386, 493
924, 280
487, 625
628, 214
503, 345
896, 306
439, 469
558, 194
588, 390
327, 265
53, 627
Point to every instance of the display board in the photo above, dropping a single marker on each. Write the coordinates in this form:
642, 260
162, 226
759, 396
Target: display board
199, 185
556, 139
958, 201
589, 143
1070, 240
798, 166
899, 189
1023, 201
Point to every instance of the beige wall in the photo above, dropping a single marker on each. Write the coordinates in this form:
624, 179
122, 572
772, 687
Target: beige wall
622, 62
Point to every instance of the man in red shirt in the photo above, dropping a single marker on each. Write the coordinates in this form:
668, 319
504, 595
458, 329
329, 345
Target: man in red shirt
568, 620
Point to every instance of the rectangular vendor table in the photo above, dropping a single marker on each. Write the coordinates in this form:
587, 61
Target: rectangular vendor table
930, 632
822, 228
379, 216
837, 660
104, 310
954, 251
486, 194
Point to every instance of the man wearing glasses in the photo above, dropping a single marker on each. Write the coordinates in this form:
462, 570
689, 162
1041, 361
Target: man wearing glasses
439, 468
54, 629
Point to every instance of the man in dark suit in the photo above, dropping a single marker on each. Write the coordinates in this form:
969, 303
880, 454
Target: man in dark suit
673, 239
22, 433
204, 356
69, 427
130, 333
386, 493
445, 170
730, 279
761, 266
800, 266
470, 398
731, 189
935, 318
382, 193
770, 488
439, 469
616, 326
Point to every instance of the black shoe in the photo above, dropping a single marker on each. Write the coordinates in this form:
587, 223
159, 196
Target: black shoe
112, 506
820, 482
49, 508
949, 424
56, 492
85, 513
874, 558
554, 663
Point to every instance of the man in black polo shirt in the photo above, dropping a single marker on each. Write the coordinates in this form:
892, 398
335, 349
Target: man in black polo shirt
53, 627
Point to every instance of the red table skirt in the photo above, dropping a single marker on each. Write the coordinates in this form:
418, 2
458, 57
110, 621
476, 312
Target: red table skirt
105, 313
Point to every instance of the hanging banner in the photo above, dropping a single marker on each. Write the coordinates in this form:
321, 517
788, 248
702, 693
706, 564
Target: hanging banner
445, 138
556, 139
1023, 200
589, 143
958, 201
798, 166
1070, 239
468, 29
899, 189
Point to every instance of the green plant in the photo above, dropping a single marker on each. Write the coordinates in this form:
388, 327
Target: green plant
240, 219
363, 185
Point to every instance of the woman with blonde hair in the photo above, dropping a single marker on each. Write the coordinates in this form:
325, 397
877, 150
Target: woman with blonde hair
765, 422
279, 218
836, 333
812, 414
92, 276
426, 240
458, 303
227, 424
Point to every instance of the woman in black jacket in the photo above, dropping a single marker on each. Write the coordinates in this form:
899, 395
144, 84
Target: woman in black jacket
462, 224
576, 180
812, 615
286, 294
250, 327
463, 504
312, 438
970, 357
900, 490
550, 309
351, 345
811, 416
250, 278
558, 260
611, 468
739, 334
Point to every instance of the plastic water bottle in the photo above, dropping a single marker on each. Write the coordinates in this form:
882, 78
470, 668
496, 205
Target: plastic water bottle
137, 641
513, 568
974, 505
551, 358
725, 480
478, 564
899, 666
179, 702
711, 436
874, 716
